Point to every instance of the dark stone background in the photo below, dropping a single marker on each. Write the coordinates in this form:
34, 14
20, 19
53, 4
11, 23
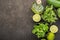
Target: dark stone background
16, 20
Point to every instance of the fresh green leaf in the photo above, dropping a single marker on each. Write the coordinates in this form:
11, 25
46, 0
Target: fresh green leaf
40, 29
49, 15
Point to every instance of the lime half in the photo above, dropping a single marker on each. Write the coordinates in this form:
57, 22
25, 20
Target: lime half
36, 18
54, 29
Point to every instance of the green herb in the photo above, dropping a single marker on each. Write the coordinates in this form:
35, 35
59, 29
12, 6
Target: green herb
49, 15
40, 30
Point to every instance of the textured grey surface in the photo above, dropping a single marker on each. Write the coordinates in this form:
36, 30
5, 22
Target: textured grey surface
16, 20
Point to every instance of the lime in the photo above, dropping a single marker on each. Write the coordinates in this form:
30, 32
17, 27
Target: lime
50, 36
54, 29
43, 39
36, 18
38, 1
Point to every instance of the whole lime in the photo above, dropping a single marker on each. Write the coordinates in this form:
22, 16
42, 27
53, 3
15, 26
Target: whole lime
50, 36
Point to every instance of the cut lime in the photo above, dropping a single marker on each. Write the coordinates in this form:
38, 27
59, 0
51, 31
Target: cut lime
54, 29
36, 18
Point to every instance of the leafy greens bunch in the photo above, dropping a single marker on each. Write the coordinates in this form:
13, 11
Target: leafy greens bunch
49, 14
40, 30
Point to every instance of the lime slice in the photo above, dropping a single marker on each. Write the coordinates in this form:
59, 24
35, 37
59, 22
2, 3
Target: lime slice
36, 18
54, 29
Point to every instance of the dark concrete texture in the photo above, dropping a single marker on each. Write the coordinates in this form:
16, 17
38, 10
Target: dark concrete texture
16, 20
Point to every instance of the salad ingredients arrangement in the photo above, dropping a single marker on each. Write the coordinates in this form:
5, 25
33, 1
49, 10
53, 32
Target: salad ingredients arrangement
44, 29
